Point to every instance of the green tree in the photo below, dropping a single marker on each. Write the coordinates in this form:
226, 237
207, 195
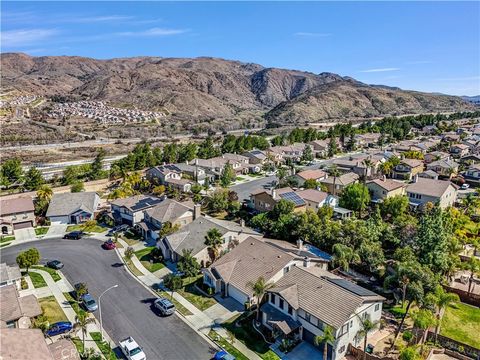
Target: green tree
394, 206
173, 283
281, 175
343, 256
307, 154
332, 147
442, 300
129, 252
260, 288
33, 179
472, 266
207, 149
77, 187
214, 241
423, 319
409, 353
45, 192
196, 193
327, 337
366, 326
334, 172
81, 323
80, 290
228, 175
11, 171
96, 168
218, 201
310, 184
355, 197
167, 229
28, 258
71, 174
188, 264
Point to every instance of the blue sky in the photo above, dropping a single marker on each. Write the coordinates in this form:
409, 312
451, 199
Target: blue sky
427, 46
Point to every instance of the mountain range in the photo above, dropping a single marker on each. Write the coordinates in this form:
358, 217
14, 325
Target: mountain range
210, 88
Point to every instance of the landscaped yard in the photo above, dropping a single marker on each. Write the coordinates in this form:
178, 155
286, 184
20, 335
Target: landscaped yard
7, 238
74, 304
52, 272
52, 310
250, 337
191, 293
226, 345
103, 346
131, 238
144, 256
180, 308
461, 322
37, 280
132, 268
41, 230
88, 229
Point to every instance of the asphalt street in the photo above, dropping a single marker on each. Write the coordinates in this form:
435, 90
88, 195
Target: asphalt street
126, 310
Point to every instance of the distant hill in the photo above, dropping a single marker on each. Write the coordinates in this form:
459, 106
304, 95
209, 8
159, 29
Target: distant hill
472, 99
203, 89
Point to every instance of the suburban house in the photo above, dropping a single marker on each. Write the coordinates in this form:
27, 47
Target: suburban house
294, 311
130, 210
446, 168
470, 159
16, 214
314, 199
215, 166
197, 174
459, 150
472, 174
169, 210
264, 200
192, 236
73, 208
407, 169
319, 147
340, 182
357, 166
367, 140
256, 157
169, 176
429, 174
436, 155
10, 275
16, 311
380, 189
422, 191
293, 152
316, 175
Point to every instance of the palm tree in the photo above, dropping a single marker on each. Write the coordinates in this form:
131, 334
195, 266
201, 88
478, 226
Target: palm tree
45, 192
368, 164
343, 256
327, 337
335, 173
422, 320
386, 168
442, 300
213, 240
281, 174
366, 325
81, 322
259, 288
472, 265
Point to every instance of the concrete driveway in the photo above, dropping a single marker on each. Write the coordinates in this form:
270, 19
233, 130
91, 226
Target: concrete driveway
57, 229
304, 351
24, 234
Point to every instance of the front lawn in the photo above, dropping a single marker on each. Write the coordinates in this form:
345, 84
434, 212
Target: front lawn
144, 256
179, 307
103, 346
87, 229
131, 237
226, 345
249, 336
132, 267
73, 303
191, 293
52, 310
53, 273
461, 322
7, 238
41, 230
37, 280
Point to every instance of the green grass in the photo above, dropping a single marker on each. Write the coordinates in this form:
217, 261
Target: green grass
41, 230
53, 273
133, 268
7, 238
88, 229
52, 310
131, 238
239, 178
461, 322
144, 256
37, 280
4, 244
78, 344
250, 337
103, 346
180, 308
190, 293
74, 304
226, 345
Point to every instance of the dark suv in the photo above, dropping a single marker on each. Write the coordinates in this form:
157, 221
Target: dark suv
74, 235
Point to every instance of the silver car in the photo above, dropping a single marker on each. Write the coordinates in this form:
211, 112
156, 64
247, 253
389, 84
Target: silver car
165, 306
89, 303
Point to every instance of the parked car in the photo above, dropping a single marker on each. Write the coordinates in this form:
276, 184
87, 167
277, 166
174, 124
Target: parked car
74, 235
109, 245
223, 355
165, 306
465, 186
111, 232
131, 349
89, 303
55, 264
58, 328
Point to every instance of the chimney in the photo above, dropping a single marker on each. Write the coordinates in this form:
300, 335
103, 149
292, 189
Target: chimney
196, 161
242, 223
384, 177
306, 261
300, 244
196, 211
274, 193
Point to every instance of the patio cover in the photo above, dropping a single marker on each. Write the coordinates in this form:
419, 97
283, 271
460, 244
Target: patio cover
278, 319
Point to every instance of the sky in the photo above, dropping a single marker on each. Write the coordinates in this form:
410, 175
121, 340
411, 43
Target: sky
427, 46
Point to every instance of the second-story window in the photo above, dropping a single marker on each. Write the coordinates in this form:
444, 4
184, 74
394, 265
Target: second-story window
280, 303
272, 298
290, 310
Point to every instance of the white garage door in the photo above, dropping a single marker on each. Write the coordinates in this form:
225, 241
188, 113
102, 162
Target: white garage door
237, 294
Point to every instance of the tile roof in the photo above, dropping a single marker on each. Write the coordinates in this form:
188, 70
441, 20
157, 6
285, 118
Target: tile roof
13, 307
412, 162
18, 205
68, 203
388, 184
429, 187
444, 164
344, 179
14, 343
137, 202
312, 174
63, 349
313, 195
169, 210
9, 273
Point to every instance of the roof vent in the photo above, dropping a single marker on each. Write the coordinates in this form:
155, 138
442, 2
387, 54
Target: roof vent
251, 243
279, 256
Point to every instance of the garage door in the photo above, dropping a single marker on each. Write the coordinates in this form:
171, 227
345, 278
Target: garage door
22, 225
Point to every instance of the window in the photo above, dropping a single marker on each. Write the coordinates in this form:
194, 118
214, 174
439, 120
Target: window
11, 325
307, 316
286, 270
272, 298
290, 310
351, 323
280, 303
341, 350
343, 330
377, 307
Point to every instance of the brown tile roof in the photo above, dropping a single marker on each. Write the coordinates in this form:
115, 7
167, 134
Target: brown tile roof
18, 205
413, 163
312, 174
313, 195
30, 306
429, 187
137, 202
344, 179
169, 210
248, 261
23, 344
9, 273
13, 307
388, 184
63, 349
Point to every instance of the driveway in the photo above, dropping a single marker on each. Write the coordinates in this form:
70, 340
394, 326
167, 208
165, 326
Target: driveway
56, 229
24, 234
126, 310
304, 351
244, 190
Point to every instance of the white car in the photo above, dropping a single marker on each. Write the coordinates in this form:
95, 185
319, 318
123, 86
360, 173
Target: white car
132, 350
465, 186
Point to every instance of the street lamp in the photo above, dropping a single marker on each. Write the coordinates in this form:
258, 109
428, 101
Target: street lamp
100, 308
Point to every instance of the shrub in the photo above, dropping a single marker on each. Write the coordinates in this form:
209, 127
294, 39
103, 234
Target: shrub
23, 284
407, 336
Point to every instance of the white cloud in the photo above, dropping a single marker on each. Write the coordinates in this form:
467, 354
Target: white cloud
312, 34
154, 32
379, 70
21, 37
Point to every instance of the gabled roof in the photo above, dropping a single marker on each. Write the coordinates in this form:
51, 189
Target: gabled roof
412, 162
14, 343
429, 187
312, 174
169, 210
137, 202
344, 179
13, 307
68, 203
387, 184
18, 205
313, 195
447, 164
9, 273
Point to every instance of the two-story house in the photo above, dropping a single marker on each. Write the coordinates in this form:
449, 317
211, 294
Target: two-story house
170, 176
130, 210
423, 190
436, 155
407, 169
312, 174
446, 168
16, 213
256, 157
459, 150
336, 184
293, 310
314, 199
264, 200
472, 174
381, 189
192, 172
10, 275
